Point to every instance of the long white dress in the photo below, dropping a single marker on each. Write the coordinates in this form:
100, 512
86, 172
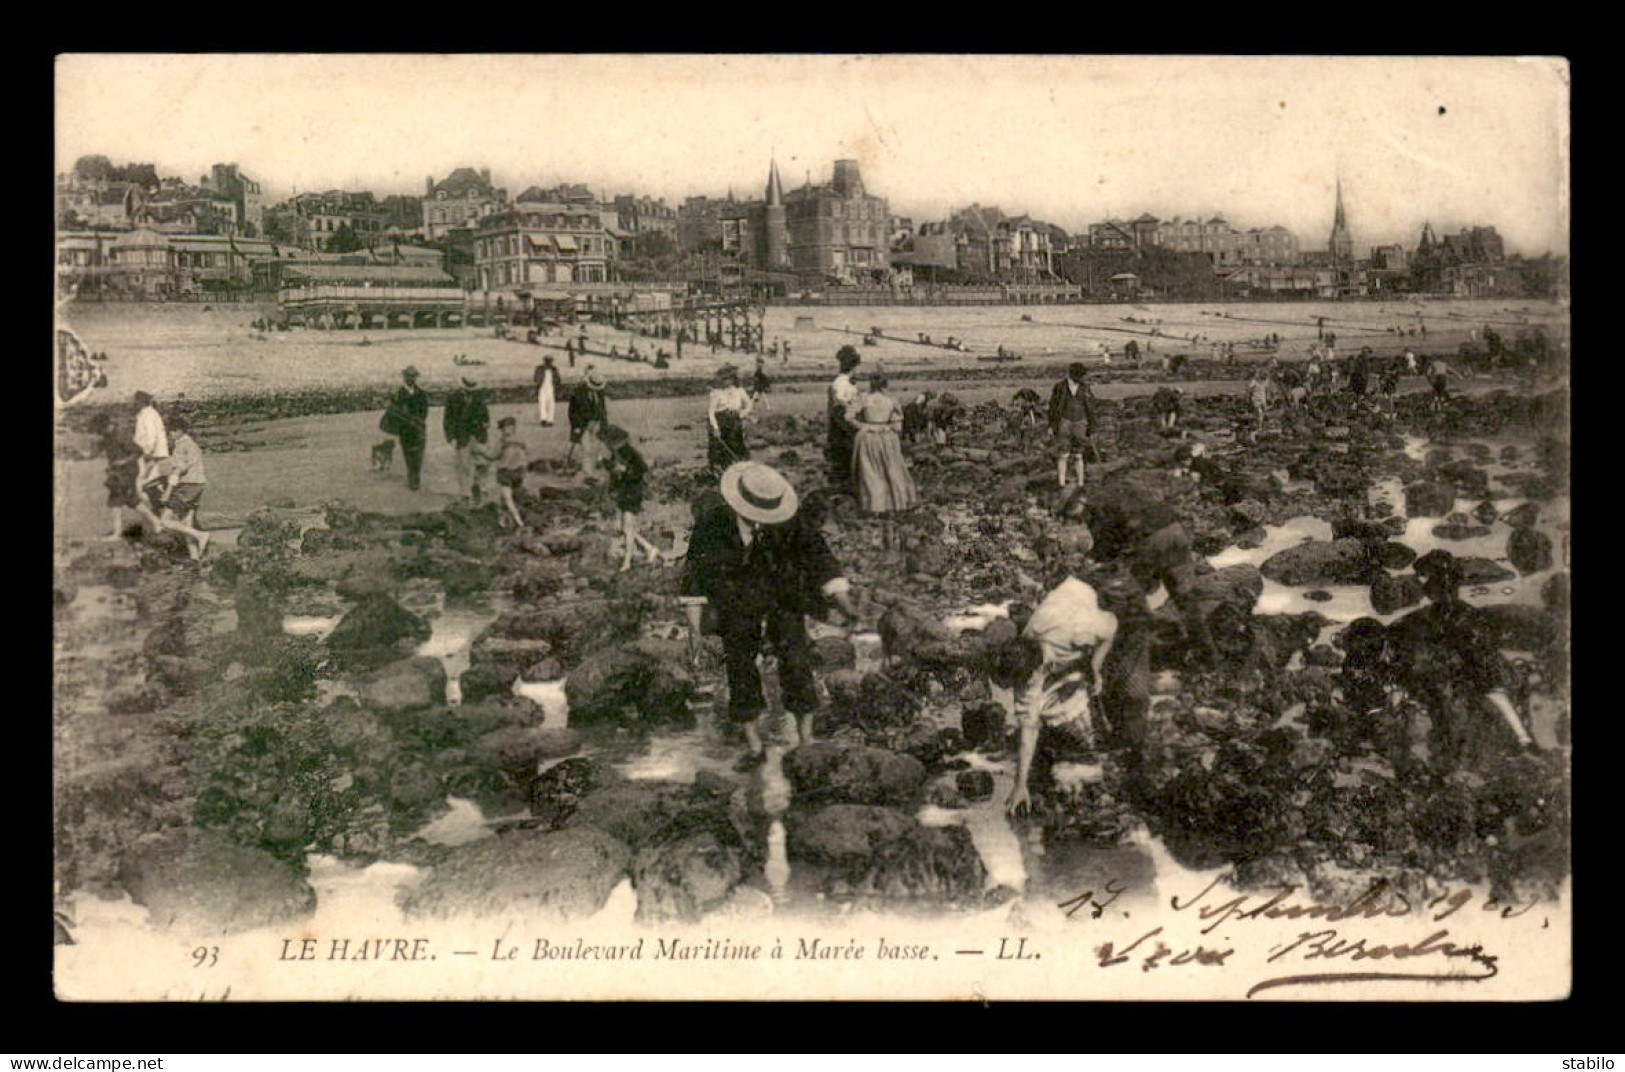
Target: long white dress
545, 397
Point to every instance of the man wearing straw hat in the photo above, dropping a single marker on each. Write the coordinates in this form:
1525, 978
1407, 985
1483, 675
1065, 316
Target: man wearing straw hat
467, 421
408, 418
764, 568
588, 408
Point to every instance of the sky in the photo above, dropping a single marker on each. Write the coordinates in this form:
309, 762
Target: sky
1072, 140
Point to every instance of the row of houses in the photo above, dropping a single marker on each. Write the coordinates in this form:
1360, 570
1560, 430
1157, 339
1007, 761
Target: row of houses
148, 264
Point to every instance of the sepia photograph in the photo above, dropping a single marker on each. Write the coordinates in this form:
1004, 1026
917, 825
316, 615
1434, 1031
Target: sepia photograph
833, 527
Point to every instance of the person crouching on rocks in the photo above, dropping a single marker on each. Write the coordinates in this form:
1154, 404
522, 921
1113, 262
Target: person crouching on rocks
627, 474
1448, 657
1053, 666
764, 567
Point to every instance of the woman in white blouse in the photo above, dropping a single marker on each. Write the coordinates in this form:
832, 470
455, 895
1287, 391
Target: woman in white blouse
729, 406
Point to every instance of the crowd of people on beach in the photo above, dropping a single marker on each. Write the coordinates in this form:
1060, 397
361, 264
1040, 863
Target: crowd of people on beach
1078, 668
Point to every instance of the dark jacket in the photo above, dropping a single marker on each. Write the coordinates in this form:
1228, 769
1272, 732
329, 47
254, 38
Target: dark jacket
411, 406
467, 416
587, 406
785, 567
1066, 406
627, 472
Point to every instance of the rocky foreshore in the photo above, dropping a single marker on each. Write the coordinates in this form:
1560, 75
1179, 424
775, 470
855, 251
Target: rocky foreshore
204, 752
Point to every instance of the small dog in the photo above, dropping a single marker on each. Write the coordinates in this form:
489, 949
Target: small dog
383, 456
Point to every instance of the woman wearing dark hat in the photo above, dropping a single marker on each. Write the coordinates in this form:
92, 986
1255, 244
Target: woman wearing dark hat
729, 405
764, 567
627, 472
842, 393
1448, 658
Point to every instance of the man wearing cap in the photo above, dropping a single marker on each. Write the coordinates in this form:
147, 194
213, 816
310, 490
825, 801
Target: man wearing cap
1448, 658
763, 567
467, 422
408, 418
1072, 420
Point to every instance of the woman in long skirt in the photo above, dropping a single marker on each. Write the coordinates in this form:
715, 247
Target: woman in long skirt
881, 472
730, 405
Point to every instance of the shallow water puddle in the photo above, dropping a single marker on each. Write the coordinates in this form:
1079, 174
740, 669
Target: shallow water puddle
451, 637
309, 624
465, 822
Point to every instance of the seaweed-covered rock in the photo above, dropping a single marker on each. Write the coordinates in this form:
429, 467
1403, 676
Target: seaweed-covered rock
1483, 571
689, 870
1429, 499
416, 682
1529, 550
853, 774
377, 630
1390, 593
552, 875
909, 631
1320, 562
611, 682
517, 751
880, 852
1459, 527
200, 880
557, 792
844, 834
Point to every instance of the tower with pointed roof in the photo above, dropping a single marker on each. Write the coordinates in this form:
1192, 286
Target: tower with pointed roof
776, 237
1341, 243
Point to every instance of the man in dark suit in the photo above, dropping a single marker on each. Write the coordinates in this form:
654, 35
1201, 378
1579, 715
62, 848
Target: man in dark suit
1072, 420
764, 567
467, 421
409, 415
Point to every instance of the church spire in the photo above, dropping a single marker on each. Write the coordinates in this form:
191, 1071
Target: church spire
1341, 243
775, 192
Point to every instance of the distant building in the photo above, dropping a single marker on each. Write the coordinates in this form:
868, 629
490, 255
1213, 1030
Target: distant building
699, 220
837, 230
1222, 244
96, 194
177, 207
1472, 263
460, 200
149, 264
314, 220
543, 240
982, 242
1111, 234
1297, 280
225, 180
643, 215
1389, 258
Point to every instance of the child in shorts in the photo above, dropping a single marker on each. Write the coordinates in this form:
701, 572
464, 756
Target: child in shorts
511, 460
